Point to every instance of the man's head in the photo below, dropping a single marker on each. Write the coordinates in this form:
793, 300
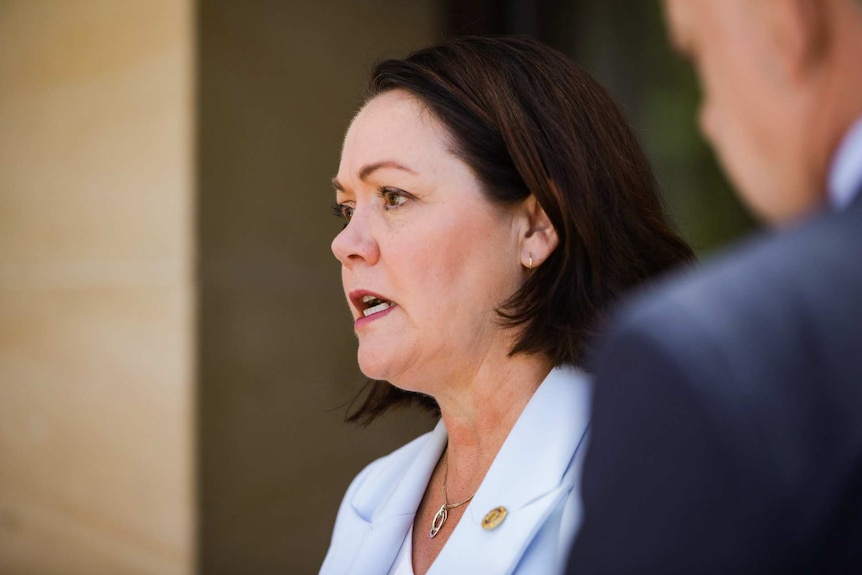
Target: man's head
781, 84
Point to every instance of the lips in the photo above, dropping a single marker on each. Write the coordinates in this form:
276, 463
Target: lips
369, 303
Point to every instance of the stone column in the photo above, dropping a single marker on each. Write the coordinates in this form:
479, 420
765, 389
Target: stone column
96, 287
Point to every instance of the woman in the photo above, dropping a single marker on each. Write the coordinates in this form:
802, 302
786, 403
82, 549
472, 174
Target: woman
495, 205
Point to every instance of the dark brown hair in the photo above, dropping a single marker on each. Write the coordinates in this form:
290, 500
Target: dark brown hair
528, 120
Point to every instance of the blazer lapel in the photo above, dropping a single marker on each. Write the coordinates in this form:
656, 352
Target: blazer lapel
393, 516
530, 476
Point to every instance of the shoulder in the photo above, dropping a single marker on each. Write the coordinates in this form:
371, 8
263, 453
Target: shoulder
760, 344
747, 331
731, 392
374, 483
367, 496
757, 286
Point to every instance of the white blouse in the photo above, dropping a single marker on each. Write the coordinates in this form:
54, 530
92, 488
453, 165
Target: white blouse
404, 560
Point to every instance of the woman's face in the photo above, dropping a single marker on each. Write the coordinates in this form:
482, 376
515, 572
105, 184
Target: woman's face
425, 258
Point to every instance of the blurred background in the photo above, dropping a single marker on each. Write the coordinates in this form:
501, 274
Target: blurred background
176, 356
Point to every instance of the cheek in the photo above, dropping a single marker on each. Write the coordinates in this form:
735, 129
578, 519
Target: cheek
431, 262
344, 281
712, 113
464, 266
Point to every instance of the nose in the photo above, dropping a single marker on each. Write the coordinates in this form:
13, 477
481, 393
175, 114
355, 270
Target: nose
705, 120
356, 243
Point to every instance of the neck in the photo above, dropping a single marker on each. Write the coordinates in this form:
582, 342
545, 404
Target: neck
837, 103
480, 414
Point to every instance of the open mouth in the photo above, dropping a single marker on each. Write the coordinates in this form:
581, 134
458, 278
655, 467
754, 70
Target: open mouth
374, 305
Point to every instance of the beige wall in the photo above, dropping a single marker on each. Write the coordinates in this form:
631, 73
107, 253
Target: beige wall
175, 351
96, 291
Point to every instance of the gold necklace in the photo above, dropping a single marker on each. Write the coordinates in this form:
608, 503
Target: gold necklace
443, 514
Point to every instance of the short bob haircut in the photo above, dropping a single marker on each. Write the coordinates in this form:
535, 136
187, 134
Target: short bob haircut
528, 120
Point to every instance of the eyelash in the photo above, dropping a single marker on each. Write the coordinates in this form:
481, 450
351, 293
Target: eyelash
345, 211
401, 194
338, 210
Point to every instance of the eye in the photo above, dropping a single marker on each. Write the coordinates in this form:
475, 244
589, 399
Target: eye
393, 197
343, 211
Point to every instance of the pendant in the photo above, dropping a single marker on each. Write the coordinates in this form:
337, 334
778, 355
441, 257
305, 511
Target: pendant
439, 520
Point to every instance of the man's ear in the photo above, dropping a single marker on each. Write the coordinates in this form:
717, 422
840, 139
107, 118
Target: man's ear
800, 33
540, 237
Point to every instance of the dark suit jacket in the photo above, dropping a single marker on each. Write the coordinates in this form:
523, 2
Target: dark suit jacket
727, 425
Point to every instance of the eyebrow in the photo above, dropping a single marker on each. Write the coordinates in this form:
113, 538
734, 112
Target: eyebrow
368, 169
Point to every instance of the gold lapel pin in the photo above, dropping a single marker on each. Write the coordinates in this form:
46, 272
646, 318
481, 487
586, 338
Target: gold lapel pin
494, 517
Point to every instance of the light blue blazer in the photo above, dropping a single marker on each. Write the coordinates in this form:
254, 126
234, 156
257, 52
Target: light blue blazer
535, 475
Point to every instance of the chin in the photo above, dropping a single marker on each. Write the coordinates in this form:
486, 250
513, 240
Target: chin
373, 365
776, 204
382, 369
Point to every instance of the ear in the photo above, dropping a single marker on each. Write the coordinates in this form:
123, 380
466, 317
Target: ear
799, 33
539, 237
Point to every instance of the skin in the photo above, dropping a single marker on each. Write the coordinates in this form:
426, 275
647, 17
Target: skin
422, 234
780, 87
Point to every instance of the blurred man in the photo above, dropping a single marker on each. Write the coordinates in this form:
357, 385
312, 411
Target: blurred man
727, 427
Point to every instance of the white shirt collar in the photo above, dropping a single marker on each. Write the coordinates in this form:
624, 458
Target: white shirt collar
845, 173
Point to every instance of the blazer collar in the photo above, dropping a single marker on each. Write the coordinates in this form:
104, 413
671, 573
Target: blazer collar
390, 520
530, 474
845, 171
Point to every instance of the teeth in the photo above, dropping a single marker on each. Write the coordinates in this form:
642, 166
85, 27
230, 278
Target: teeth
375, 309
368, 298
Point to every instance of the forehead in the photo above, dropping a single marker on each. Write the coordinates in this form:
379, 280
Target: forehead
395, 122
